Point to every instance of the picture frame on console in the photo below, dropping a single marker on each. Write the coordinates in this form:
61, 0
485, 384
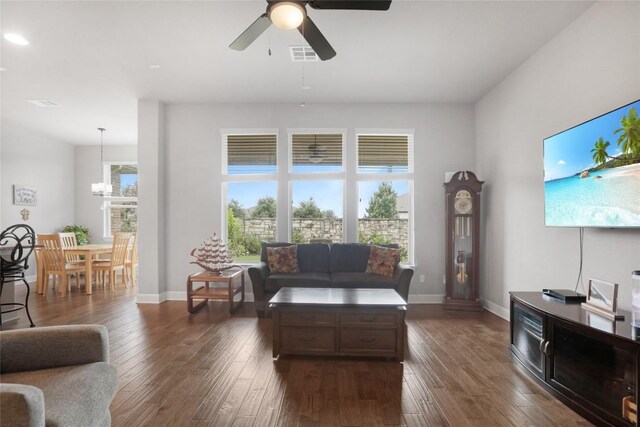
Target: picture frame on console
602, 298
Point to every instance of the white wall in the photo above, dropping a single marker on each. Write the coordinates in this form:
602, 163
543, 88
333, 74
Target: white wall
590, 68
152, 213
443, 142
45, 164
88, 210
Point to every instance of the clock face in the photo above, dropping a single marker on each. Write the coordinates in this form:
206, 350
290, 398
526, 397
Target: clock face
463, 203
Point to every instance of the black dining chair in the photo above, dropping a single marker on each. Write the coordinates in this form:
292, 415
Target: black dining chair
16, 245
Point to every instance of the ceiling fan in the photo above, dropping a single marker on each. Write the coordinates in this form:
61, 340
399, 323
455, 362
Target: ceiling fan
316, 152
289, 15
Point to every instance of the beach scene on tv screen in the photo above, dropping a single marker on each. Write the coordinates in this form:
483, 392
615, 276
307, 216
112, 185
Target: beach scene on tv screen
592, 172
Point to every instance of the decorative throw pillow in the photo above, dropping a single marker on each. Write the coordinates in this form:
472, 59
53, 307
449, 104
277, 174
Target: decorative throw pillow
283, 259
383, 260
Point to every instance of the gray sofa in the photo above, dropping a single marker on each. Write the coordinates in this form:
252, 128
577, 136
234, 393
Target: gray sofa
56, 376
340, 265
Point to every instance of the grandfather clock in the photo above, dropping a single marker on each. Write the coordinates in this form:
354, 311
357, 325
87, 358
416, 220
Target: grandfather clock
462, 201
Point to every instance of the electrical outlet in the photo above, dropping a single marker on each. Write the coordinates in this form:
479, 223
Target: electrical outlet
422, 278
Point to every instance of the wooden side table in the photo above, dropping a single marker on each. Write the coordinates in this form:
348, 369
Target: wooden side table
208, 292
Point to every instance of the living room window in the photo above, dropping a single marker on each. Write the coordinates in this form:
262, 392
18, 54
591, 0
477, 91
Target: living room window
121, 207
250, 192
316, 185
385, 190
315, 193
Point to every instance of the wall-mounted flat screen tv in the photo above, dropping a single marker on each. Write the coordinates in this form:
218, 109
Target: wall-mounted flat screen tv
592, 172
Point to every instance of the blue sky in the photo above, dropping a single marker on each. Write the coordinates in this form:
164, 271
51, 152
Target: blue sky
327, 194
128, 179
367, 188
570, 151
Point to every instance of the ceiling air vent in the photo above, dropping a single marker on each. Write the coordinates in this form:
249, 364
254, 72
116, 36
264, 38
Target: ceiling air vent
303, 54
43, 103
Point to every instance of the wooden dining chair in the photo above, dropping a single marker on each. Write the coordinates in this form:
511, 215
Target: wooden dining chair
131, 263
55, 263
117, 261
68, 240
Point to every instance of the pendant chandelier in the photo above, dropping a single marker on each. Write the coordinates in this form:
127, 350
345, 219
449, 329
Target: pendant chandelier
101, 188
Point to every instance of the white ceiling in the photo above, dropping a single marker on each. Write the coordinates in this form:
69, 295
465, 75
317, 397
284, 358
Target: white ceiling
93, 57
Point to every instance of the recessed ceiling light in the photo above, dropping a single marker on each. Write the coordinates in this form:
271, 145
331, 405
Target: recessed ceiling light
306, 87
154, 66
16, 38
43, 103
2, 69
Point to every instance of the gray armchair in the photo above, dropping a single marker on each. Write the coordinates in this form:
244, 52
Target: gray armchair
56, 376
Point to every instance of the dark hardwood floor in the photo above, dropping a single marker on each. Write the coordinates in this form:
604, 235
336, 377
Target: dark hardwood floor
214, 369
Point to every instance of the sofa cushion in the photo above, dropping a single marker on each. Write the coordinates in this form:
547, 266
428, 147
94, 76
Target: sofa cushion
73, 395
265, 245
351, 257
312, 257
362, 280
383, 260
283, 259
276, 281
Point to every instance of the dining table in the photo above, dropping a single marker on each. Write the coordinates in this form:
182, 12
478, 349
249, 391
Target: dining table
90, 252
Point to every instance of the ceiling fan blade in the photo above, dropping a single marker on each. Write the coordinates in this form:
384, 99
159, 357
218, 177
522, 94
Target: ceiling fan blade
252, 33
351, 4
316, 40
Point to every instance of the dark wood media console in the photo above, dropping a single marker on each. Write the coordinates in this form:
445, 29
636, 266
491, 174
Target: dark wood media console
589, 362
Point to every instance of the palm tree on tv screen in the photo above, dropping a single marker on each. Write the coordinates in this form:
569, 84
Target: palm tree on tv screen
600, 151
629, 133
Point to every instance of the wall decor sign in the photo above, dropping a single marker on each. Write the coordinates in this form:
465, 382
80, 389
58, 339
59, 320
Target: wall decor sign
24, 195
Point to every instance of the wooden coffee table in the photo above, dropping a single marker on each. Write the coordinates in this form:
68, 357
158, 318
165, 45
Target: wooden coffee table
338, 322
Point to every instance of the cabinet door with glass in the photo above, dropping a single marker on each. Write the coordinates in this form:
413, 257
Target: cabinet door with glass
528, 337
598, 373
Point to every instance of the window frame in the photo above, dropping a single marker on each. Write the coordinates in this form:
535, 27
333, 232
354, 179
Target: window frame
108, 201
391, 176
315, 176
284, 177
248, 177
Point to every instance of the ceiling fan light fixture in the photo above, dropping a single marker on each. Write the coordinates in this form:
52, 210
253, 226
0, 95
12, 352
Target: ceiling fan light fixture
287, 15
315, 158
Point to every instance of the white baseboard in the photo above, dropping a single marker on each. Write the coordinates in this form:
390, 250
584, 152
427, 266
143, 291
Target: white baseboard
30, 279
413, 299
176, 296
426, 299
182, 296
151, 298
497, 310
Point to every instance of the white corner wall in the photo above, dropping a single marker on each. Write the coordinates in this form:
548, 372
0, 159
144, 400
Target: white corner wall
152, 206
443, 142
46, 164
88, 210
590, 68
